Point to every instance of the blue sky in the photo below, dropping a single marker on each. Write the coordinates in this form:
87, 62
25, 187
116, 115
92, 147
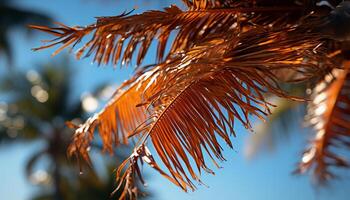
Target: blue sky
265, 178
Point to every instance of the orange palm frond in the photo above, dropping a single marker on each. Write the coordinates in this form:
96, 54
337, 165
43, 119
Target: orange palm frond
111, 34
121, 112
329, 115
191, 121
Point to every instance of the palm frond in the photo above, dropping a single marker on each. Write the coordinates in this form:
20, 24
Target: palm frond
190, 27
188, 124
191, 121
329, 115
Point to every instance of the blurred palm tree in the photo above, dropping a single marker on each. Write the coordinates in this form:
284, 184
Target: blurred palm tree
12, 17
37, 105
286, 116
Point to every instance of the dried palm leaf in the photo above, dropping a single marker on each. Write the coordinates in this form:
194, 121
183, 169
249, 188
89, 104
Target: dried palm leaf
329, 115
111, 34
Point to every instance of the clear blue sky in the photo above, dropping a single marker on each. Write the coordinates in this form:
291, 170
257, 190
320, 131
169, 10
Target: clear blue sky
265, 178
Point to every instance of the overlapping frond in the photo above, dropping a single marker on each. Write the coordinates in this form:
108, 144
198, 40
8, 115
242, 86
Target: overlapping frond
329, 115
189, 124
